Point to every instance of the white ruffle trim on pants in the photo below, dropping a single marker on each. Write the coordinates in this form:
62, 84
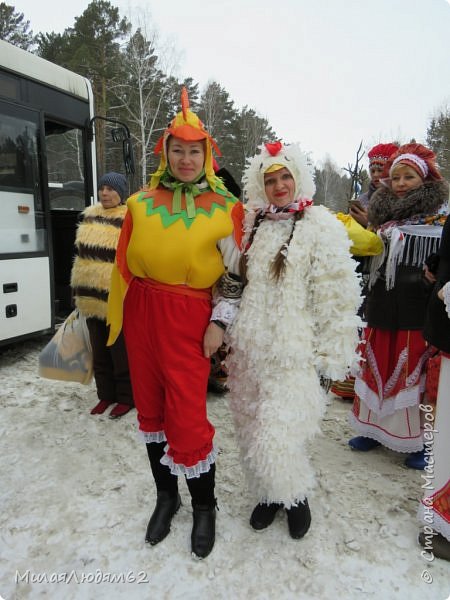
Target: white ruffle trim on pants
203, 466
151, 437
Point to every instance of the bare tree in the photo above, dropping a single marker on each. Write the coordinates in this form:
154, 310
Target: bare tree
355, 173
144, 87
330, 186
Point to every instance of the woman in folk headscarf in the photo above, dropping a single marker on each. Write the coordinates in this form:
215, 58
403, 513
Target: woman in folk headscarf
179, 238
406, 212
296, 323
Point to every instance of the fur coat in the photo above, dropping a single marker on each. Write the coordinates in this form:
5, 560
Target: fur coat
384, 205
285, 336
437, 324
96, 243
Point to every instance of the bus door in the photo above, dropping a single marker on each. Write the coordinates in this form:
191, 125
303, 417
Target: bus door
66, 151
25, 291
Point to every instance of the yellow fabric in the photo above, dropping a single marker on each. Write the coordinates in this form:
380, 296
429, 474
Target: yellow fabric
117, 293
364, 242
274, 167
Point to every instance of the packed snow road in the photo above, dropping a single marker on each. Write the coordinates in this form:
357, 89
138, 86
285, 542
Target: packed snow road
76, 495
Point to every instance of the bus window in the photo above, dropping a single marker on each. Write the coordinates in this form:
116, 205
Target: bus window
22, 226
65, 164
9, 86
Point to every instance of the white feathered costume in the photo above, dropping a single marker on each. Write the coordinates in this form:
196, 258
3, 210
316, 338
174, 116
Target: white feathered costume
288, 333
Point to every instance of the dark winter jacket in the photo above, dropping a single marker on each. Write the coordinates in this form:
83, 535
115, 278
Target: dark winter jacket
403, 306
437, 324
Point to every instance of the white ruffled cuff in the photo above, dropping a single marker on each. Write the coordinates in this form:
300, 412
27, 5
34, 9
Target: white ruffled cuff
150, 437
196, 470
225, 310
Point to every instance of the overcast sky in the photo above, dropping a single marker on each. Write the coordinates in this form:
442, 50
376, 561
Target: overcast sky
325, 73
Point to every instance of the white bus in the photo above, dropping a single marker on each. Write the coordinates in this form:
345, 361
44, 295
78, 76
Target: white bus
47, 176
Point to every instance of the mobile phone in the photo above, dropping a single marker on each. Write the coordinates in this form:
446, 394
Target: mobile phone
356, 203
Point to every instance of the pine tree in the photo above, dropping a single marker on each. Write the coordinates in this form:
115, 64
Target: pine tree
438, 138
251, 131
218, 113
14, 29
96, 54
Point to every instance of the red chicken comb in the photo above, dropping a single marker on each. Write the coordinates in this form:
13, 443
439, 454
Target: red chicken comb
273, 148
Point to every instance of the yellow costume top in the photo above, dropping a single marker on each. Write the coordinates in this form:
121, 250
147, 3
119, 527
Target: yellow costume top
171, 247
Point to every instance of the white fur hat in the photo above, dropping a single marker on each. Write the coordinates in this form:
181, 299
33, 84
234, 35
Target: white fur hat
288, 155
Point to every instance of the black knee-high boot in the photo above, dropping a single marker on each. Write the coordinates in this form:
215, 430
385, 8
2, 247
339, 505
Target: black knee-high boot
204, 512
168, 499
164, 479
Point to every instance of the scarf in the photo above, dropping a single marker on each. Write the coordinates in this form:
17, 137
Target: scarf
281, 213
384, 206
190, 189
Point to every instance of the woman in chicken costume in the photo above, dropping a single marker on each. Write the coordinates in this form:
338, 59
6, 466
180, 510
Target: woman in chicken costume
180, 238
296, 323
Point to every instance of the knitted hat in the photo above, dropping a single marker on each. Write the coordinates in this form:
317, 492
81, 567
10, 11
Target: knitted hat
379, 154
416, 156
116, 181
289, 156
188, 127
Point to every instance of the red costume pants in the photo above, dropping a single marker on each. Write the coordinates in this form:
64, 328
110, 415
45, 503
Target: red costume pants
164, 328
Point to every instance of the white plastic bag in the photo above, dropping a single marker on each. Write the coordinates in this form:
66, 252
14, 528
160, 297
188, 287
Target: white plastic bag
68, 355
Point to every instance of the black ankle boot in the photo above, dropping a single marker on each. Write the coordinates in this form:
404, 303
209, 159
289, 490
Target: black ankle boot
299, 519
203, 530
158, 527
263, 515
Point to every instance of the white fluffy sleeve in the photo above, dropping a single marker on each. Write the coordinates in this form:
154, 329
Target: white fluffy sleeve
228, 290
335, 297
446, 293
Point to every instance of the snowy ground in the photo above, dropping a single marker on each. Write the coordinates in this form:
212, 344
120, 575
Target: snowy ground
76, 495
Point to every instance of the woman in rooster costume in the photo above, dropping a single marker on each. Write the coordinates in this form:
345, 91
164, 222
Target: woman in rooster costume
180, 239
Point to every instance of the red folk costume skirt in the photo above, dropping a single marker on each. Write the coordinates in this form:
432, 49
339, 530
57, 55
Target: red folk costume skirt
434, 510
164, 327
389, 387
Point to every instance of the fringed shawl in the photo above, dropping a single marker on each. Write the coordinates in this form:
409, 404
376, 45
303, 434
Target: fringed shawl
385, 206
410, 227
